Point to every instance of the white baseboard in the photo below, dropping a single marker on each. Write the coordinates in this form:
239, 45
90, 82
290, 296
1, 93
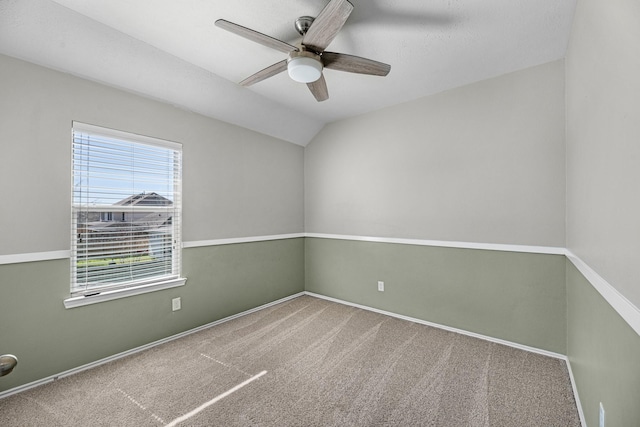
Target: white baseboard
114, 357
90, 365
575, 394
446, 328
471, 334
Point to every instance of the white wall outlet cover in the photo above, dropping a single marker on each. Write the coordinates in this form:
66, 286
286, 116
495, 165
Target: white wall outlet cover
176, 304
381, 286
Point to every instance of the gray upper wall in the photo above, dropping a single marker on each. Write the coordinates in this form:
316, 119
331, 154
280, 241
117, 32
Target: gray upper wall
481, 163
603, 141
236, 182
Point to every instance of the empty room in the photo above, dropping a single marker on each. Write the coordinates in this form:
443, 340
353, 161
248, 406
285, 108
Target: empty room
320, 213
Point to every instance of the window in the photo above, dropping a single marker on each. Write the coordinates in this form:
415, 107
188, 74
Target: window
126, 211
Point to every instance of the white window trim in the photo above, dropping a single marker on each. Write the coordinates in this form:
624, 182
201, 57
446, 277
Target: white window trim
83, 300
161, 284
126, 136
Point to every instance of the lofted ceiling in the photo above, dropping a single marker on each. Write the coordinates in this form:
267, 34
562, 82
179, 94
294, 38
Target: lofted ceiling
171, 51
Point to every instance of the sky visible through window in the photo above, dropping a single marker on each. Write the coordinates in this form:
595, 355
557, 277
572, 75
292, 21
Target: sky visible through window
108, 170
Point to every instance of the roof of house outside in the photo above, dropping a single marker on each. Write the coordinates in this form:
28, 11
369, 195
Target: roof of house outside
153, 199
152, 221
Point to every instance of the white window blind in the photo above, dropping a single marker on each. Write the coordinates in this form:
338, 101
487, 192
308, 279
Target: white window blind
126, 210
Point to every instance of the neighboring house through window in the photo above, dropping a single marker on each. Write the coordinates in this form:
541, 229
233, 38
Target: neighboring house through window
126, 210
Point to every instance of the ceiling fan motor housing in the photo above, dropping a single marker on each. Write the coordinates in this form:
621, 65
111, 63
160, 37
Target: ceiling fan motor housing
303, 23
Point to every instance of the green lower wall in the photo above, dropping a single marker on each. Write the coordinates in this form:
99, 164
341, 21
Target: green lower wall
518, 297
536, 300
49, 339
604, 352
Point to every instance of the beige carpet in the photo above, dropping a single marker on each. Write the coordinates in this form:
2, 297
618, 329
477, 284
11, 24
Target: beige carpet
326, 365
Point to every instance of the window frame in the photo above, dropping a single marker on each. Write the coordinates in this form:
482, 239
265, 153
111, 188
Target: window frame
98, 293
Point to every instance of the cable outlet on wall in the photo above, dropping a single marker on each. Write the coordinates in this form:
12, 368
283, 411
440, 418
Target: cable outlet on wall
601, 415
380, 285
176, 304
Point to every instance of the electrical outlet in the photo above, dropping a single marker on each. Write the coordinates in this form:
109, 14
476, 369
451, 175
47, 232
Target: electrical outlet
176, 304
601, 415
380, 286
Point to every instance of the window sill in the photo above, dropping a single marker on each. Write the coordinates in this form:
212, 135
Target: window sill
122, 293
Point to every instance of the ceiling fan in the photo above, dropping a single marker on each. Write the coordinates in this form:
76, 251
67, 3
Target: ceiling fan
306, 62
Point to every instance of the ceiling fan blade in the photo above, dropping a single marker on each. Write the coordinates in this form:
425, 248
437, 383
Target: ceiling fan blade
354, 64
255, 36
319, 89
270, 71
327, 25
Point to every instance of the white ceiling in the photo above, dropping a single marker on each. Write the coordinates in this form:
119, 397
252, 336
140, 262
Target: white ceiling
172, 51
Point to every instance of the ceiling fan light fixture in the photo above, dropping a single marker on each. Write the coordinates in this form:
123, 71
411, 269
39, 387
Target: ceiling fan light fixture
304, 67
307, 60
